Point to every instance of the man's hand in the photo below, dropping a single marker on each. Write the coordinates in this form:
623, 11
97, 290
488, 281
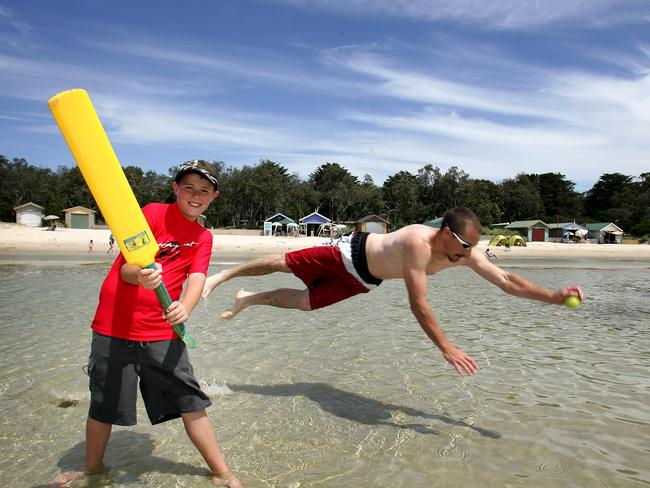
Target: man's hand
568, 291
176, 313
150, 278
459, 360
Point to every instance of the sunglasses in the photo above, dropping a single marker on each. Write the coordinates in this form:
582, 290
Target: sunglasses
462, 242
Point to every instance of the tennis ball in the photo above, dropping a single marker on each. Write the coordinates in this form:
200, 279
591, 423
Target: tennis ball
572, 301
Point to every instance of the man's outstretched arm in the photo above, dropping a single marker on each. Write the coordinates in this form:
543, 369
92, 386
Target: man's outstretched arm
517, 285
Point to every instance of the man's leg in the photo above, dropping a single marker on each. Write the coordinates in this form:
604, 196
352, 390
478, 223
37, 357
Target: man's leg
261, 266
97, 435
200, 431
281, 298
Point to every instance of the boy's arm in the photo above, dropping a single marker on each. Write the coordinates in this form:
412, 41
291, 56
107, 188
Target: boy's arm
178, 312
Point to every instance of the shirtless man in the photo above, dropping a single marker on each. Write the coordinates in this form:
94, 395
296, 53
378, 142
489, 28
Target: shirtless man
358, 263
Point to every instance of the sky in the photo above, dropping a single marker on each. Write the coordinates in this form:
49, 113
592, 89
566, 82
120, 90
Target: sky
495, 88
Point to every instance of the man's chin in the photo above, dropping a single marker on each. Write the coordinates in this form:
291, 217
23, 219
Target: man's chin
453, 259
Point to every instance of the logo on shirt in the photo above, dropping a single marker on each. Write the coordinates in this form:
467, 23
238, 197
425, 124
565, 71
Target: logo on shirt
169, 251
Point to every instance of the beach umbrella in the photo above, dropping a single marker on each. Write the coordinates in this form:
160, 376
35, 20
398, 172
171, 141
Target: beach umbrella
51, 217
582, 232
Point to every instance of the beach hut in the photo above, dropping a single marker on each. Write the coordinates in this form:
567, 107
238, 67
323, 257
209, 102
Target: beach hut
372, 223
310, 224
29, 214
276, 224
531, 230
563, 230
79, 218
498, 240
269, 224
605, 233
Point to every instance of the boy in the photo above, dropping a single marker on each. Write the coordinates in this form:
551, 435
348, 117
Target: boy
133, 337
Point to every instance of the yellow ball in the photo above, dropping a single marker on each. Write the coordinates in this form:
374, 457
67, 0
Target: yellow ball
572, 301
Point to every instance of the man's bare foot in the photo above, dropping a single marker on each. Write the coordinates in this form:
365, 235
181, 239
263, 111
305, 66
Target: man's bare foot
240, 304
64, 479
227, 479
211, 282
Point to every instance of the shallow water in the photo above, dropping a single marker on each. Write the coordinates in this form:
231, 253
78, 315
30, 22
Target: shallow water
353, 395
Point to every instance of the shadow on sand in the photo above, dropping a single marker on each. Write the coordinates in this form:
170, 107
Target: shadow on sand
357, 408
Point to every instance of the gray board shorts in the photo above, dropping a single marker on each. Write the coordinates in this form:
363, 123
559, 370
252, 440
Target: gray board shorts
164, 371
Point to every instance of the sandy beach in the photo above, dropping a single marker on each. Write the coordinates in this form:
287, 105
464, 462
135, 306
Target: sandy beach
18, 239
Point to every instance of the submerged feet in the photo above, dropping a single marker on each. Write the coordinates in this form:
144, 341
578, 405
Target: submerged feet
64, 479
228, 480
240, 304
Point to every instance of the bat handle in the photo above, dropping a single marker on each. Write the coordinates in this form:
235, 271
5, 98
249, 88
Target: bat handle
166, 301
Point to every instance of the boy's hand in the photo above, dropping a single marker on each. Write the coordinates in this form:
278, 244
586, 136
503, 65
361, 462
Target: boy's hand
150, 278
176, 314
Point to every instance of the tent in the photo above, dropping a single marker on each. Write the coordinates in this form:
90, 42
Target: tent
517, 241
498, 240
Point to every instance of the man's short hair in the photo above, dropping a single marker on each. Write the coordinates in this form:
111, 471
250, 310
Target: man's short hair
458, 218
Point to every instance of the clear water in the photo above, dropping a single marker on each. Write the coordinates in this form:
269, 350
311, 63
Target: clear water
353, 395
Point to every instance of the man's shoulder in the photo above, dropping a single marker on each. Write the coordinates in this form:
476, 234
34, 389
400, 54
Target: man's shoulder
416, 234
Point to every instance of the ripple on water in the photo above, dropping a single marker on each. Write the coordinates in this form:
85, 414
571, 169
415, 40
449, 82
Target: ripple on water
336, 396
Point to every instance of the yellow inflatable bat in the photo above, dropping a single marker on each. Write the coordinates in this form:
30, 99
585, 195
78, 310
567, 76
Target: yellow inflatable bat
82, 130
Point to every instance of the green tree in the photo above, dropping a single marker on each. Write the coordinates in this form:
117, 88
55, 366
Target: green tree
401, 199
520, 199
612, 199
483, 197
559, 199
336, 187
439, 192
22, 183
369, 199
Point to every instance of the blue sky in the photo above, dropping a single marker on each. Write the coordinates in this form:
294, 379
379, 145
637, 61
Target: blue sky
495, 88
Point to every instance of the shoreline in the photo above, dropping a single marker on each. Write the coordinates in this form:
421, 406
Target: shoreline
20, 243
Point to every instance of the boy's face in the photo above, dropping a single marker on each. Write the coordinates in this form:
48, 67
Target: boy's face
194, 195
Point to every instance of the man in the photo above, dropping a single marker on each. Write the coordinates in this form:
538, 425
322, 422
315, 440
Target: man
357, 263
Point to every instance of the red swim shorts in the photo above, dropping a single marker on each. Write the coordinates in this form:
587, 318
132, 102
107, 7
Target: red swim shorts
321, 268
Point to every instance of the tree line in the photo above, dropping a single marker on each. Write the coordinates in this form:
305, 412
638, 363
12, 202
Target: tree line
252, 193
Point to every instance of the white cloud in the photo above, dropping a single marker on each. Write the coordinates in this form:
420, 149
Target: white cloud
502, 14
13, 32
